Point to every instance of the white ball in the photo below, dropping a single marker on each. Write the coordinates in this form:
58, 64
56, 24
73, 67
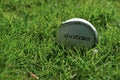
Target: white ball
77, 32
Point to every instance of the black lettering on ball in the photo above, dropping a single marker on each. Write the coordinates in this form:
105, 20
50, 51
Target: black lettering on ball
77, 37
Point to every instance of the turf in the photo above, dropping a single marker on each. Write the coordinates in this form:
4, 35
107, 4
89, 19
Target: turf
27, 40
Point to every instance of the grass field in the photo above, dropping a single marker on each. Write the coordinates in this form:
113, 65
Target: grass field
27, 40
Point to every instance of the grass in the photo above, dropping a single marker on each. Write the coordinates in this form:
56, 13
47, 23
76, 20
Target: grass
27, 40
